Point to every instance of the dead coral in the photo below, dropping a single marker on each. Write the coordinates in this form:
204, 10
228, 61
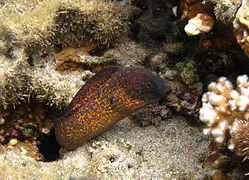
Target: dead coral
30, 31
225, 10
184, 88
28, 21
65, 22
20, 81
71, 59
201, 23
129, 53
99, 22
15, 79
55, 88
25, 151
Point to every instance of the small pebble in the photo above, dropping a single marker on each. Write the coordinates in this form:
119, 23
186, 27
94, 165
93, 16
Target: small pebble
23, 151
45, 130
1, 131
2, 139
164, 113
2, 120
13, 142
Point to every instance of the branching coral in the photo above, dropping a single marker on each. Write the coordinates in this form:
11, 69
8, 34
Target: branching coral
226, 113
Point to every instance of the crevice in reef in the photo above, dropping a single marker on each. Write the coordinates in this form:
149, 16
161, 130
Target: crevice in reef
49, 147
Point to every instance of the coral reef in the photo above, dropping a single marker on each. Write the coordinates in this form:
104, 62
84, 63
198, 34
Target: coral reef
173, 149
241, 27
64, 22
54, 88
211, 16
49, 49
184, 88
129, 53
31, 35
14, 79
225, 10
225, 111
222, 10
26, 150
20, 82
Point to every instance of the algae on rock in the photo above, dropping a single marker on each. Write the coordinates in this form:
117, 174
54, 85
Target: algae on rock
65, 22
30, 31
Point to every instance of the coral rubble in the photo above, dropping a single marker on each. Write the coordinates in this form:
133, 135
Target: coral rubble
173, 149
152, 114
27, 151
184, 88
226, 113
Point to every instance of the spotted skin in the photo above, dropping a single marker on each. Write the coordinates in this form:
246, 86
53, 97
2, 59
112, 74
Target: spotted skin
109, 96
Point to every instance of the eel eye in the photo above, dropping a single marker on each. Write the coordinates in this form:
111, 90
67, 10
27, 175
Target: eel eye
148, 85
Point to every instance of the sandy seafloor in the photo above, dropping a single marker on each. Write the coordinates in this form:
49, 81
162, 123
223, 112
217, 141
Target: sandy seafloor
173, 149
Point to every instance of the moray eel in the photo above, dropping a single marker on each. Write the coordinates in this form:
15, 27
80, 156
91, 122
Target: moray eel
109, 96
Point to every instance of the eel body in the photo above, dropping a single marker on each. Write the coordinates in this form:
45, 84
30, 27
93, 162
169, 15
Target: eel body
109, 96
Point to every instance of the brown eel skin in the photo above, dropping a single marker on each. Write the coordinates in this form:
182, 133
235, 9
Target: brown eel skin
109, 96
